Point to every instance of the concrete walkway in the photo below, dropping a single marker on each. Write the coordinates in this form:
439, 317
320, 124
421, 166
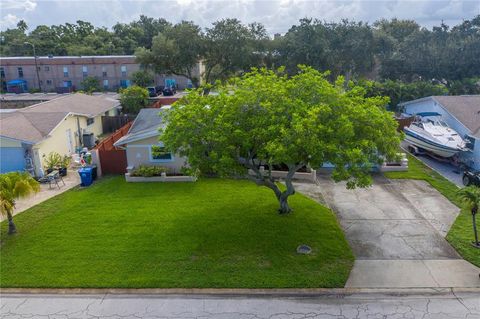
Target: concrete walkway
425, 306
71, 180
396, 229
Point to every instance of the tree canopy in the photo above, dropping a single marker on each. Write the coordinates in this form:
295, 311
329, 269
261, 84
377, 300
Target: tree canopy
13, 186
397, 50
266, 118
133, 99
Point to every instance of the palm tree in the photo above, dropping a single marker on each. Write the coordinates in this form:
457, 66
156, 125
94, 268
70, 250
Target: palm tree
13, 186
470, 196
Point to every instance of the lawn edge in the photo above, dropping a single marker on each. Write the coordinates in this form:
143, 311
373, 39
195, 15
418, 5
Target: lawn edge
286, 292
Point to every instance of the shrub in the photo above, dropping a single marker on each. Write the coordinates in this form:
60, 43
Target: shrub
52, 160
148, 171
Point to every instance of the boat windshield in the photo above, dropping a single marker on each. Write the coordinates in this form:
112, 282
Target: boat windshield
437, 122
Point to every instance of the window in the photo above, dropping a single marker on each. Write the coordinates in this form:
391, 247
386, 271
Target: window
123, 68
85, 71
47, 68
2, 73
90, 121
104, 71
49, 82
20, 72
105, 84
159, 154
65, 71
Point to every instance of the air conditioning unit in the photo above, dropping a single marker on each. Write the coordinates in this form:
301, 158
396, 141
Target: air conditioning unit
88, 140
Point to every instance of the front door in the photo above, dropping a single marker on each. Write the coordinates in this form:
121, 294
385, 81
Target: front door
69, 141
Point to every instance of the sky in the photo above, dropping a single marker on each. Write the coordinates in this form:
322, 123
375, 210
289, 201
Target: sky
276, 15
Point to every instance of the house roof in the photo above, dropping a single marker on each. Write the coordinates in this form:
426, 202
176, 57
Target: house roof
88, 105
465, 108
34, 123
146, 124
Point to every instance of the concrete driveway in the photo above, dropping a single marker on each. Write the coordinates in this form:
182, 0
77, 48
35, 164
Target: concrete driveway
396, 229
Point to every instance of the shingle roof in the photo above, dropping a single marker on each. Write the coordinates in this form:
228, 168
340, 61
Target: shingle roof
78, 103
146, 124
34, 123
466, 108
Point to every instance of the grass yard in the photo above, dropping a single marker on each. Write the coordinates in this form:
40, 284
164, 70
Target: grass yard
212, 233
461, 233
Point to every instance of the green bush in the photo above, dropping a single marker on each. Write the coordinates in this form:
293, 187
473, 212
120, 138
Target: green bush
52, 160
148, 171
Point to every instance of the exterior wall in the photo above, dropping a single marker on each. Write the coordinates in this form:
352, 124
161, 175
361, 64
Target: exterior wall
50, 70
138, 153
96, 127
56, 142
429, 105
11, 155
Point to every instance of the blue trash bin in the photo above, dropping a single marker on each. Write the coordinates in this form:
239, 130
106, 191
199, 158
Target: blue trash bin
85, 176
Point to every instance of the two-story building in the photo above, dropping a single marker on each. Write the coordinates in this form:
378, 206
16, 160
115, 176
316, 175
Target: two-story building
66, 73
462, 113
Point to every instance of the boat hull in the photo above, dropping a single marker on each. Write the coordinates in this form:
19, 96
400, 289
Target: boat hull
431, 146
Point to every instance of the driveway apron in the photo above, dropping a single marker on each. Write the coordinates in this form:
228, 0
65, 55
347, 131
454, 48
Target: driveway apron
397, 230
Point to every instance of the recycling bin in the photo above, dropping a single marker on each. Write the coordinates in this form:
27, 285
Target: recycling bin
86, 177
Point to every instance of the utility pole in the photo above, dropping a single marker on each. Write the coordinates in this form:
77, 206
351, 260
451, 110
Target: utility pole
36, 65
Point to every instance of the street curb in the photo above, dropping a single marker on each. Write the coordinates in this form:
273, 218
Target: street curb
287, 292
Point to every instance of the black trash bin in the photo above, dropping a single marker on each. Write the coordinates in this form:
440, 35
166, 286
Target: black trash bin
94, 171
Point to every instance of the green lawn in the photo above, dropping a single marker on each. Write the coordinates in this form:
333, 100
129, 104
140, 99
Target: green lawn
461, 233
212, 233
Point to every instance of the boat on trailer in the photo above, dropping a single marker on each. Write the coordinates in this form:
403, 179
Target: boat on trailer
429, 133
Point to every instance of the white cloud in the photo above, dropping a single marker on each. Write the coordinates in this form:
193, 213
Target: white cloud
27, 5
276, 15
9, 21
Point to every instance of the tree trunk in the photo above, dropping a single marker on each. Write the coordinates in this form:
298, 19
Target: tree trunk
12, 229
284, 207
474, 213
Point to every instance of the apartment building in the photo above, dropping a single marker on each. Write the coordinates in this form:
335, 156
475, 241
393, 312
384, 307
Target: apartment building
65, 73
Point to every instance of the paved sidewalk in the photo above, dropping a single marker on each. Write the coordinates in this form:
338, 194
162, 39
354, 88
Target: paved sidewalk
396, 229
425, 306
71, 180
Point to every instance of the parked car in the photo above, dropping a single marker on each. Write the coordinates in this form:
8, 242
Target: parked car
152, 91
471, 178
169, 91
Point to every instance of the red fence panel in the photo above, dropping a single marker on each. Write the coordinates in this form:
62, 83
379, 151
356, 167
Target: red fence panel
113, 162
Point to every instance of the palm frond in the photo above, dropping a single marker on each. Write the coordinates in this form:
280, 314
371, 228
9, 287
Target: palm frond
470, 196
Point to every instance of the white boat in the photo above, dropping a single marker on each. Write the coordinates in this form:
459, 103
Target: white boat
428, 132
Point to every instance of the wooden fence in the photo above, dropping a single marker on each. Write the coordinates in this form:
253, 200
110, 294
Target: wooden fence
403, 122
112, 123
113, 160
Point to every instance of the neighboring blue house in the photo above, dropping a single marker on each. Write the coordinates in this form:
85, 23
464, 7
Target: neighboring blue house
462, 113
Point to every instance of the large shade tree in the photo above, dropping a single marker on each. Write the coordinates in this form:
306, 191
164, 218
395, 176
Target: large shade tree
266, 118
14, 185
177, 50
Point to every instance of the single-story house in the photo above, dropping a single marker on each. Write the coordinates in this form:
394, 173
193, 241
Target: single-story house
61, 125
142, 143
462, 113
